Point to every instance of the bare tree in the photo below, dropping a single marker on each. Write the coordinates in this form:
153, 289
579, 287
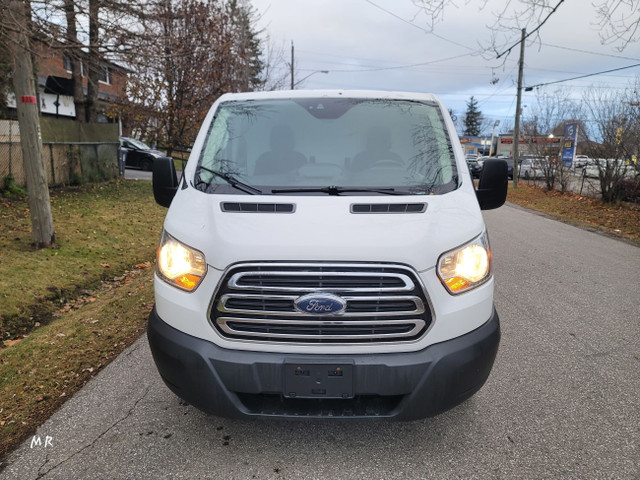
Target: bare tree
544, 125
276, 71
618, 20
617, 141
190, 53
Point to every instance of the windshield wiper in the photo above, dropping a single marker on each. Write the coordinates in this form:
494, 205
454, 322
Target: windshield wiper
231, 180
334, 190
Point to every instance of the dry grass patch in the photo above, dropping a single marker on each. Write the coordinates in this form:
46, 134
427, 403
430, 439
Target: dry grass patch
621, 220
40, 371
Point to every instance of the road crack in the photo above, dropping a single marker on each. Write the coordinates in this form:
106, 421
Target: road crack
95, 440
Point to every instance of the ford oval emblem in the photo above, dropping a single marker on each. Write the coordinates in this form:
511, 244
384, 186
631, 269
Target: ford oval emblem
320, 304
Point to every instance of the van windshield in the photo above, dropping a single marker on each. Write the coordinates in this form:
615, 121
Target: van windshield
318, 146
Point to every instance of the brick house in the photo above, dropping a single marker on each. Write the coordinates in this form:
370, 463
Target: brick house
55, 87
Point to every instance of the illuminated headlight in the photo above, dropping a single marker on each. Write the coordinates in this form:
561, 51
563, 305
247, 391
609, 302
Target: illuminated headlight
467, 266
180, 265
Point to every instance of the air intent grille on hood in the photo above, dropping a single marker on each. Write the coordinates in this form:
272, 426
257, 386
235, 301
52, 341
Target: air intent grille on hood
283, 303
247, 207
388, 207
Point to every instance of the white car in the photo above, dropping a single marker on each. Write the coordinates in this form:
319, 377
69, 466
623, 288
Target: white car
620, 167
582, 161
531, 168
324, 255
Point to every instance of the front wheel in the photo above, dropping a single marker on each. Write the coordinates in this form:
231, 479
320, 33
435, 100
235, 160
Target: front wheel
147, 166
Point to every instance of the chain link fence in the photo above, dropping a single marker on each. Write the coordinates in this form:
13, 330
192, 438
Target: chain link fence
65, 162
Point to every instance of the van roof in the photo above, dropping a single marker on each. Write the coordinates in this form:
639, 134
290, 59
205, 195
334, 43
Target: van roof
284, 94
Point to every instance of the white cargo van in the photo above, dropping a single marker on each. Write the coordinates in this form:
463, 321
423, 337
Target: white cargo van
324, 255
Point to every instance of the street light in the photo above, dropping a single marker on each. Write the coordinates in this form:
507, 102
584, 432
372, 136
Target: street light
495, 124
303, 79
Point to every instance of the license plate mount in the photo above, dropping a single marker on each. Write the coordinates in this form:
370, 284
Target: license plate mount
318, 380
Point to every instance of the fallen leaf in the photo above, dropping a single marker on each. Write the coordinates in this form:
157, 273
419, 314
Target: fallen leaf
11, 343
105, 265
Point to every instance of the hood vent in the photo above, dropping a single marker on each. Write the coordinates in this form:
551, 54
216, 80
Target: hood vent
388, 207
246, 207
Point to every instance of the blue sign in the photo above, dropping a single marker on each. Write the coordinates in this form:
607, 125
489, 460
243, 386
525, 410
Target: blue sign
320, 304
569, 143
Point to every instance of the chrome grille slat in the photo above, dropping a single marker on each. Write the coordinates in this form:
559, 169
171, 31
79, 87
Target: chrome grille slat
320, 283
418, 306
385, 303
412, 328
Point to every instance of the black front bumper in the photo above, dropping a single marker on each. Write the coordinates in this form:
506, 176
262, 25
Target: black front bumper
403, 386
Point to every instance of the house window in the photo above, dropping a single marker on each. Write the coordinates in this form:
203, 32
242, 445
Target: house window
105, 75
66, 63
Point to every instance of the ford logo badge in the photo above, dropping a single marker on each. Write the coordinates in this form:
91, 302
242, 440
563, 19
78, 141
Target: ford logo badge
320, 304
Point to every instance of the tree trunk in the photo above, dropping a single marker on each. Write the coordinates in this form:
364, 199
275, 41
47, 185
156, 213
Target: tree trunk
93, 62
75, 56
30, 139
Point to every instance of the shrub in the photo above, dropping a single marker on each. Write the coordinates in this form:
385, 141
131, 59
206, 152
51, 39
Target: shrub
11, 190
630, 190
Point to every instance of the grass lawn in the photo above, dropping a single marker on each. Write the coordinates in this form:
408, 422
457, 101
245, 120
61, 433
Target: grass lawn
101, 230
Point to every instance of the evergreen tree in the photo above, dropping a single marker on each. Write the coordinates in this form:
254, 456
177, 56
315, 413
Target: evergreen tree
472, 118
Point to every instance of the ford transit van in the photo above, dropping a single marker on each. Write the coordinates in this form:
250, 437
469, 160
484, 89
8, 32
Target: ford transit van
324, 255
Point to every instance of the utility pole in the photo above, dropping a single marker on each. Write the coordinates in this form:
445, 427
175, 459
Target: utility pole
293, 85
516, 131
30, 139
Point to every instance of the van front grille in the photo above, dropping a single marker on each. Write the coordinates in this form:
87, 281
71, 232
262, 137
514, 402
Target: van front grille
380, 303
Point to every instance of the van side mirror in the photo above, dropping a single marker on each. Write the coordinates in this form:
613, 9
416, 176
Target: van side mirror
492, 188
165, 180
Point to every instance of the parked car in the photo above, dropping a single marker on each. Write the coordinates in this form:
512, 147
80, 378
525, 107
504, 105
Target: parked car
619, 166
581, 161
531, 168
272, 300
475, 167
509, 161
138, 154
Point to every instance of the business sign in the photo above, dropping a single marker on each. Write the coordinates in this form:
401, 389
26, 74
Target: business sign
569, 143
545, 140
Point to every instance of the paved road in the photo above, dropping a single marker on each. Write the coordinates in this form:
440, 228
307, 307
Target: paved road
561, 402
133, 174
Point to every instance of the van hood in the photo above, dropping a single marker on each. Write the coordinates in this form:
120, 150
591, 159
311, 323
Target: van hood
323, 228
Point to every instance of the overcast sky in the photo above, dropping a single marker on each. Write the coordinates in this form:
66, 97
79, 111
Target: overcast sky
364, 46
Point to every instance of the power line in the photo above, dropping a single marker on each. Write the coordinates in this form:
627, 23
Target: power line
408, 22
590, 52
400, 67
508, 50
528, 89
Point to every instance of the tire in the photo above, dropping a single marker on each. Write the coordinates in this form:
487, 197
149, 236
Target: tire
526, 175
146, 165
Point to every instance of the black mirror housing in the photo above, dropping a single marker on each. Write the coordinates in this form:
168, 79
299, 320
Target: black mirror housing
165, 180
492, 188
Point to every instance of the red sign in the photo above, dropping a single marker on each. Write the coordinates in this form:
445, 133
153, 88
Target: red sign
545, 140
28, 99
